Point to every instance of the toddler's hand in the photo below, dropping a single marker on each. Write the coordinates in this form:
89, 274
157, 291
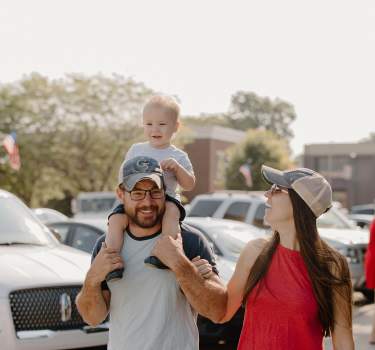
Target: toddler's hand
170, 164
203, 266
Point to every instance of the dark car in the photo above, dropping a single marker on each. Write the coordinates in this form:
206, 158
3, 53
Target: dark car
77, 234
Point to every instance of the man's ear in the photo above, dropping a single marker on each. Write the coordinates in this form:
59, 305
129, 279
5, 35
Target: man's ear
120, 193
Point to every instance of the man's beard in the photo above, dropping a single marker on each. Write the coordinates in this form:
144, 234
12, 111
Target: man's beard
146, 223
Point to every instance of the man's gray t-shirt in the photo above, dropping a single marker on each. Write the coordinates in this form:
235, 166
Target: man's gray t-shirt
148, 309
145, 149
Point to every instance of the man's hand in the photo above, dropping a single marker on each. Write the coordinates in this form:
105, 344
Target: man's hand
169, 250
107, 260
170, 164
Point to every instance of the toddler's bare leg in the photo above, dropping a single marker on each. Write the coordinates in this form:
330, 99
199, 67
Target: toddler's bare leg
117, 224
170, 227
171, 220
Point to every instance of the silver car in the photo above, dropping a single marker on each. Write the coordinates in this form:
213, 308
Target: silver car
39, 280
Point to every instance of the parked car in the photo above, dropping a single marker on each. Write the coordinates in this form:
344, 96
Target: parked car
362, 220
79, 234
47, 215
367, 209
93, 204
39, 280
334, 226
363, 214
226, 237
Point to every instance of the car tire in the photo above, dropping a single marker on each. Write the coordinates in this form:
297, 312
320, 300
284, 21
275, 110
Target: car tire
368, 294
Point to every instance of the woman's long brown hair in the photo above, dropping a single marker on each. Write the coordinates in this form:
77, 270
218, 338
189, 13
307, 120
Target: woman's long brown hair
328, 270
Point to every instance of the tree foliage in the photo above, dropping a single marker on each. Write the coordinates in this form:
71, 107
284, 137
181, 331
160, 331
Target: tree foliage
259, 147
72, 132
250, 111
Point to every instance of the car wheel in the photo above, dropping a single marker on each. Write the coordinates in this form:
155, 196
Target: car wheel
368, 294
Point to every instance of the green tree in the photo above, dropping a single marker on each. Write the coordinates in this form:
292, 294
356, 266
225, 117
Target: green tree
250, 111
370, 138
203, 119
72, 132
259, 147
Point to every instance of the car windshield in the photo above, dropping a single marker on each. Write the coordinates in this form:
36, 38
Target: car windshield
233, 238
334, 219
19, 226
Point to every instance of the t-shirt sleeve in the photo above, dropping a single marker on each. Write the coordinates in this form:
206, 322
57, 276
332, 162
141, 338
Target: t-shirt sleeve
95, 251
195, 244
184, 160
131, 153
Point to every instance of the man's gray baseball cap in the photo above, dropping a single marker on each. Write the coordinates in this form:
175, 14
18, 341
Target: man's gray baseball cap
140, 168
312, 187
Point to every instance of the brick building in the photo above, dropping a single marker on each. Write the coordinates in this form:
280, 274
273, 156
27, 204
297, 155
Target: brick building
207, 154
349, 167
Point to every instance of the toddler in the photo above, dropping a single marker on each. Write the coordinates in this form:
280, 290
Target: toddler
160, 123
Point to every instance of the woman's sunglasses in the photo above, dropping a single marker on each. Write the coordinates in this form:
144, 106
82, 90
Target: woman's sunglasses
277, 189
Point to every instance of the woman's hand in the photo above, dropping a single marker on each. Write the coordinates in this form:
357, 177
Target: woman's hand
203, 266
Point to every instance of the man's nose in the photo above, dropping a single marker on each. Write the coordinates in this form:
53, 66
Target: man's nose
147, 198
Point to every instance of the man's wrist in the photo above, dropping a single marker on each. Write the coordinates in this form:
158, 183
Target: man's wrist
92, 280
183, 268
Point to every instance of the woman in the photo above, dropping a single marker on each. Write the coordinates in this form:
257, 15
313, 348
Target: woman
370, 271
295, 287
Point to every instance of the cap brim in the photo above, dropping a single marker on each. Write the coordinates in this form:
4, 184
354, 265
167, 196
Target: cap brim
274, 176
131, 180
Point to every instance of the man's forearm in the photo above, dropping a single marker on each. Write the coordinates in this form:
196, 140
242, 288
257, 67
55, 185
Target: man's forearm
91, 303
207, 296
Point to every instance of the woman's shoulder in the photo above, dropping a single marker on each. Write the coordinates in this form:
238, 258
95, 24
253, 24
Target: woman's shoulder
257, 245
252, 250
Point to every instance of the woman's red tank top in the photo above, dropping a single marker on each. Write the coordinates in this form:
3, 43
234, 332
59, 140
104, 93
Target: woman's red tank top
281, 311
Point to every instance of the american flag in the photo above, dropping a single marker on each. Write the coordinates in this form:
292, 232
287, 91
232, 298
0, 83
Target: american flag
245, 170
11, 148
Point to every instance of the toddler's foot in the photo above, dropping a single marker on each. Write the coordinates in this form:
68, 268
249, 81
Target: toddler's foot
115, 275
153, 261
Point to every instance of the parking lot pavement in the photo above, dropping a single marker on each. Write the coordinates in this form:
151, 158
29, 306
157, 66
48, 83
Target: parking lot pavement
362, 318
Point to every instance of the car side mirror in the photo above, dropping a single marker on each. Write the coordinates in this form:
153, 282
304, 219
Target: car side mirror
56, 234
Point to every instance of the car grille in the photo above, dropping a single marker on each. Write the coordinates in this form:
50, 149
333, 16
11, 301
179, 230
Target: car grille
39, 308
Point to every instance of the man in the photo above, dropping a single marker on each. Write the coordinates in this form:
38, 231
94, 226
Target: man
150, 308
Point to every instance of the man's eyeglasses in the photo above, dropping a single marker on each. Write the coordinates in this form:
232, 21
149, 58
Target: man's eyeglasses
138, 195
277, 189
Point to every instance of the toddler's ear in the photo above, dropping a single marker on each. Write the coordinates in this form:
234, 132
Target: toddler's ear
178, 124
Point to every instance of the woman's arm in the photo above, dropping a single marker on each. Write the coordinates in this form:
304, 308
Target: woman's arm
342, 335
237, 284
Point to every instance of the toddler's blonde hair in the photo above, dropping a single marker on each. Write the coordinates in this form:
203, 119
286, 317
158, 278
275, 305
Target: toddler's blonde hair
165, 102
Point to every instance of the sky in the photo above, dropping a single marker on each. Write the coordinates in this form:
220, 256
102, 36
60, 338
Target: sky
317, 55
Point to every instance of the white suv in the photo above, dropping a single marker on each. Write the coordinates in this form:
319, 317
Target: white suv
39, 280
249, 207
